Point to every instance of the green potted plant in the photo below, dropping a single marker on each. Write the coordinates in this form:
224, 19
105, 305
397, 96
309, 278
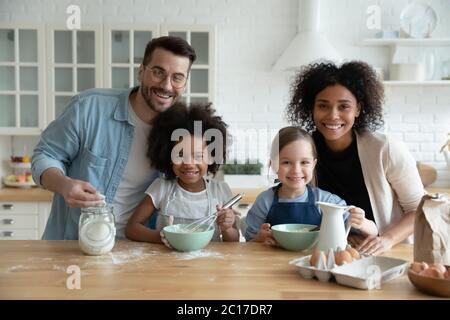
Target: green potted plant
244, 175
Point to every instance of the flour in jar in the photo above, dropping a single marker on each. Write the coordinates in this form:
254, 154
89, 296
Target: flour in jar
97, 231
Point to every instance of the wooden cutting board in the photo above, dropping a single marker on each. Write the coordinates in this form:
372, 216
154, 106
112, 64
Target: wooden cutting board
427, 173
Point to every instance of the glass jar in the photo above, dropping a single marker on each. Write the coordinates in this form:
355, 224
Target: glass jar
96, 230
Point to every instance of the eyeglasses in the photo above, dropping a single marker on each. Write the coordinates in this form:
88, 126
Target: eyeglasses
177, 80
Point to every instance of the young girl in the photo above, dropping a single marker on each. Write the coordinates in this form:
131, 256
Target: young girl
185, 195
293, 157
342, 105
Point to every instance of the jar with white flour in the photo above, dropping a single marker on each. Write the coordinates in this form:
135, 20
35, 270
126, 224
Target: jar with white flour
96, 230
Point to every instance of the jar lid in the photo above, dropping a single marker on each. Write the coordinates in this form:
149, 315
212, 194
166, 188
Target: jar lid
98, 210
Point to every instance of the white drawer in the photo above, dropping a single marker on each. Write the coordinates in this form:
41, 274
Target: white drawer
18, 207
24, 234
18, 221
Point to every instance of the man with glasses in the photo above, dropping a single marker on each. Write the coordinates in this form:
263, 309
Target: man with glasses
96, 150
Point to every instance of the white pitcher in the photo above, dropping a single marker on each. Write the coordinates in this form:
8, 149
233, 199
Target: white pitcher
333, 232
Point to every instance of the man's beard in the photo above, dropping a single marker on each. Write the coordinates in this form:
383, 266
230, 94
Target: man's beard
146, 92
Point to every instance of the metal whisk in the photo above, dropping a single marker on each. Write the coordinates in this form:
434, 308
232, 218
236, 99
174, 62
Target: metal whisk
210, 219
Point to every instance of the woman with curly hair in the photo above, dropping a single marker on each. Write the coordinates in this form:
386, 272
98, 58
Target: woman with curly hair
342, 107
185, 144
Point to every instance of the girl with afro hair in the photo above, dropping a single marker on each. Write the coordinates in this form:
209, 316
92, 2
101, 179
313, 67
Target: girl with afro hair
185, 144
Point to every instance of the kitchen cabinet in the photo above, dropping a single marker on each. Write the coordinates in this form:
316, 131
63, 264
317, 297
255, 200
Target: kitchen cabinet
74, 64
200, 86
23, 220
41, 68
406, 43
21, 79
124, 51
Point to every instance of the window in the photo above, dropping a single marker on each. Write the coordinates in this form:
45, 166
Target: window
126, 49
200, 87
74, 66
21, 80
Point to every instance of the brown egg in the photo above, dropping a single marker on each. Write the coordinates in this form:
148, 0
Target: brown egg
354, 253
416, 267
432, 272
425, 265
447, 274
314, 257
342, 257
440, 267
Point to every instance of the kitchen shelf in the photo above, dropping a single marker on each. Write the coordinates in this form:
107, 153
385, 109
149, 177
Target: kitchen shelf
407, 42
417, 83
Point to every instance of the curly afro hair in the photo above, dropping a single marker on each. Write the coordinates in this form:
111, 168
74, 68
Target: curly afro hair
357, 76
182, 116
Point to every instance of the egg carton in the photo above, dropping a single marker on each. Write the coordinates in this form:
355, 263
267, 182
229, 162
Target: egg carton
369, 272
321, 271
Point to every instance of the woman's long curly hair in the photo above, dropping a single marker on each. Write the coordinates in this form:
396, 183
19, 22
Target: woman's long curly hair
357, 76
181, 116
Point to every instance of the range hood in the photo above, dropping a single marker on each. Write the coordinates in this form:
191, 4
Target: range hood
309, 44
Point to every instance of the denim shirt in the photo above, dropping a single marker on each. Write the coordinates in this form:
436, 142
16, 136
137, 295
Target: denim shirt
90, 141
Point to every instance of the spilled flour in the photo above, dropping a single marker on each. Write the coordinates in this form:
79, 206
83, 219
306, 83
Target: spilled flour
59, 268
203, 253
18, 268
132, 255
123, 254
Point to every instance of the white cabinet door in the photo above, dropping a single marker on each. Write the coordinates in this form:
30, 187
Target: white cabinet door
124, 51
19, 220
201, 84
74, 64
22, 104
23, 220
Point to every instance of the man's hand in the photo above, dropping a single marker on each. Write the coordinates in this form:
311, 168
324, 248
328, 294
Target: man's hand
81, 194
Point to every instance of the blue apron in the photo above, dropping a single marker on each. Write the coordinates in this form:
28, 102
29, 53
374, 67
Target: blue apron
294, 212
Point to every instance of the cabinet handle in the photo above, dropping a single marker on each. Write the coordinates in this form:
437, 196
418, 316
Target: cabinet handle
8, 234
8, 206
8, 221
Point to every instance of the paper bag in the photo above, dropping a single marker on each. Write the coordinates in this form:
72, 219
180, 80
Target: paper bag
432, 230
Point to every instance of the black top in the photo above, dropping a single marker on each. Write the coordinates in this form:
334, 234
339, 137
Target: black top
340, 173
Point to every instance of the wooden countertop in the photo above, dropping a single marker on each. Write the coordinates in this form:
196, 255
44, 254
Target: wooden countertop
38, 194
31, 194
37, 270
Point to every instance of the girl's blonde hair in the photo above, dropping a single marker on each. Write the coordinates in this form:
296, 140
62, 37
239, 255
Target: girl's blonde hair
285, 136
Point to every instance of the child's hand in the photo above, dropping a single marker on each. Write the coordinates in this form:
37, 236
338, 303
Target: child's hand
164, 240
163, 237
356, 217
265, 235
225, 218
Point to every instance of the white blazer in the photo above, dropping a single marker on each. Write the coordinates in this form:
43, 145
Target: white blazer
391, 177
